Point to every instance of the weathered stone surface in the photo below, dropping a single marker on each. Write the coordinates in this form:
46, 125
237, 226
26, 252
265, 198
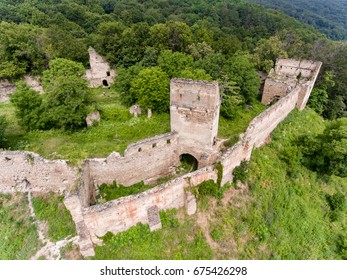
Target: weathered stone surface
289, 74
6, 88
25, 171
190, 203
100, 72
92, 118
154, 221
135, 110
34, 83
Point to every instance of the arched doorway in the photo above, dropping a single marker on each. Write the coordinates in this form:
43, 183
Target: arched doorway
188, 163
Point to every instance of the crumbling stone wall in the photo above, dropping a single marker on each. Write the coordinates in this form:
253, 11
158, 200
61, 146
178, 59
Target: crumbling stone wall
262, 125
6, 88
100, 72
258, 131
121, 214
194, 122
289, 74
25, 171
147, 160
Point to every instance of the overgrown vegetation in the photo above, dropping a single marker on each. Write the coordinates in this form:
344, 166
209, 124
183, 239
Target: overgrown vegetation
64, 104
3, 125
19, 238
176, 240
287, 215
113, 191
283, 215
51, 209
240, 173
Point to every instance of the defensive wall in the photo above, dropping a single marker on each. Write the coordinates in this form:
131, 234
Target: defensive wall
146, 160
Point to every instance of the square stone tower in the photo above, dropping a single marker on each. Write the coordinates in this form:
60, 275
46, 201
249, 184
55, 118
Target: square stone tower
194, 112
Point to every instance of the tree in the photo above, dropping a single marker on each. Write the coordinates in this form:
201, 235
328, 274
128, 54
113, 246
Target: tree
194, 74
174, 62
124, 78
319, 96
241, 70
28, 104
151, 88
61, 67
327, 153
267, 51
64, 104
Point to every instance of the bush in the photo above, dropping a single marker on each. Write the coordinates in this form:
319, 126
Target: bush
3, 125
241, 172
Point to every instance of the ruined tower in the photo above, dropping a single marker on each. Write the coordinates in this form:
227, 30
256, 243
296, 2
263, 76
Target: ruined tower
194, 112
289, 74
100, 72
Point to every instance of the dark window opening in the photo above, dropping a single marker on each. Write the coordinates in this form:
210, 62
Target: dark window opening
139, 150
108, 73
168, 141
154, 145
275, 99
104, 83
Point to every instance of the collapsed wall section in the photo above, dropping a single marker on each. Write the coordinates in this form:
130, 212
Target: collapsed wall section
289, 74
100, 72
25, 171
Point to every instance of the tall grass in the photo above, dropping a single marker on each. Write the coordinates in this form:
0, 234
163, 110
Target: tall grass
19, 238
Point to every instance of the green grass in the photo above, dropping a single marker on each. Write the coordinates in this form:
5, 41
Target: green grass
284, 215
231, 129
19, 238
52, 210
176, 240
113, 191
115, 132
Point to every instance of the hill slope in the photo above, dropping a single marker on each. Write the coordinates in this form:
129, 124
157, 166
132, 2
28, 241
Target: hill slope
330, 17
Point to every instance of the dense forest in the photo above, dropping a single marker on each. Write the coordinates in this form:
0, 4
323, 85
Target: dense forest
212, 35
330, 17
295, 201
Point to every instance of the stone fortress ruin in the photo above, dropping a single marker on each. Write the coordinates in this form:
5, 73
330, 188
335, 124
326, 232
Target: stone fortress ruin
100, 72
194, 111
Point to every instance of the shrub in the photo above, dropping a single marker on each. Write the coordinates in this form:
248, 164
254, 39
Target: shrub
3, 125
241, 172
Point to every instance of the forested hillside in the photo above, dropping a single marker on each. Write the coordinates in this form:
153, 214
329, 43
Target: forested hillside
292, 202
330, 16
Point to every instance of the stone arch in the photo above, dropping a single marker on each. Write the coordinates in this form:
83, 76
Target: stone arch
188, 162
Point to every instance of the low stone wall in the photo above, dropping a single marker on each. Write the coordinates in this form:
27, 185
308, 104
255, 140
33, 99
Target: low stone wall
258, 131
25, 171
262, 125
121, 214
